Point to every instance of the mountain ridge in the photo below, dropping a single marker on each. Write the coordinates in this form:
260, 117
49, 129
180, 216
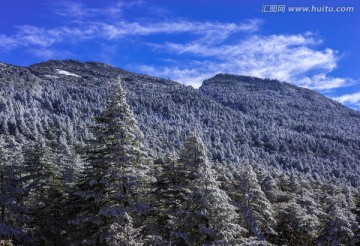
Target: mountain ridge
276, 124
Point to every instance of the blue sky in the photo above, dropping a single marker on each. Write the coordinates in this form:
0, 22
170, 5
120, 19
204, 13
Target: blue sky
189, 41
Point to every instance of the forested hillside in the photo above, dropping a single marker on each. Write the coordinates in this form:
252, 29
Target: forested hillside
272, 123
295, 128
240, 161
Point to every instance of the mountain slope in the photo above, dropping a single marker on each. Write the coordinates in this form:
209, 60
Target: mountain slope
312, 131
274, 124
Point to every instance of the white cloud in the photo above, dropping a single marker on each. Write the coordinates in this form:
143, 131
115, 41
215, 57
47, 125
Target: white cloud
292, 58
349, 98
8, 43
89, 26
44, 37
209, 31
31, 35
324, 82
80, 11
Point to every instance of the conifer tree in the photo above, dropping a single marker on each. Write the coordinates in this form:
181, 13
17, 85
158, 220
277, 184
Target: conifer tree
253, 204
166, 199
115, 174
297, 212
205, 215
294, 226
45, 194
268, 185
124, 233
338, 225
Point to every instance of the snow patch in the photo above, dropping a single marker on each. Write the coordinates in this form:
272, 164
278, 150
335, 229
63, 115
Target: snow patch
51, 76
66, 73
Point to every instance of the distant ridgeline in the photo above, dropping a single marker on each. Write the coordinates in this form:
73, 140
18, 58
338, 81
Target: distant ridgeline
87, 160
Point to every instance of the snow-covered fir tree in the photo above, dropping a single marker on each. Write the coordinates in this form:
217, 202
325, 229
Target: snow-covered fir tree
294, 225
166, 199
253, 204
338, 225
124, 233
297, 211
45, 194
115, 175
206, 215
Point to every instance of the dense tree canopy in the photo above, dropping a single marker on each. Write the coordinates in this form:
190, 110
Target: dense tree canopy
83, 163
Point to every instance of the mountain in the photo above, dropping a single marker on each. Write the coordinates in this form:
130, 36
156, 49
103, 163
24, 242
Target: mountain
242, 119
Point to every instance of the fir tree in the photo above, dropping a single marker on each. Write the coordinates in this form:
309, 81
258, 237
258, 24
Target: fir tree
338, 225
166, 199
297, 212
124, 233
115, 174
45, 194
206, 215
294, 225
253, 204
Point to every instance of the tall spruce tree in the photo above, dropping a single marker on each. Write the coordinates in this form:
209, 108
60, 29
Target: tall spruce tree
44, 194
297, 211
205, 215
253, 204
112, 194
166, 199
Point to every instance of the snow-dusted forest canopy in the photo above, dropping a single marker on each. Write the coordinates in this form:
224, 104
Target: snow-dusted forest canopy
87, 160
